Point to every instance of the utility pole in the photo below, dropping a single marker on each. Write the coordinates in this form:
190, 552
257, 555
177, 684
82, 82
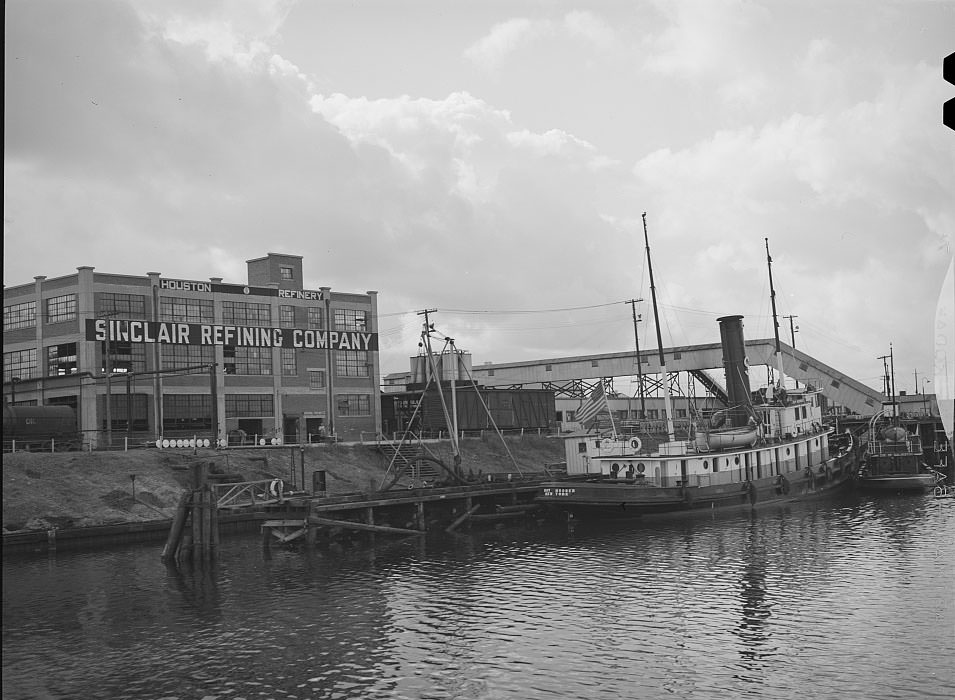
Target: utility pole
636, 339
792, 336
108, 364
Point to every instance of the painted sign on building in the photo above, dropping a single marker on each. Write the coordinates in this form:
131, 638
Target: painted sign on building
169, 333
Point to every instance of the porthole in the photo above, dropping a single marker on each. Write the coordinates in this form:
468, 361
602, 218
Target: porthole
736, 460
641, 467
787, 451
706, 464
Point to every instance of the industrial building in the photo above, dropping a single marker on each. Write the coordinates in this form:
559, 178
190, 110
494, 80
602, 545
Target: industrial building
145, 357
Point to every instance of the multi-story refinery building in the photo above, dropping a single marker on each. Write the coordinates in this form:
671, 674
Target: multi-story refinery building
150, 356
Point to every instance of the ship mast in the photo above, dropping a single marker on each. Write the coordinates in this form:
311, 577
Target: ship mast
667, 402
772, 296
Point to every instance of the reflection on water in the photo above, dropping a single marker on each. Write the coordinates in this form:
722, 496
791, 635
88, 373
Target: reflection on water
835, 599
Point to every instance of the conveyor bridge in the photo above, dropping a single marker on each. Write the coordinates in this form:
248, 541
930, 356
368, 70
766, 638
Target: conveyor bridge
576, 376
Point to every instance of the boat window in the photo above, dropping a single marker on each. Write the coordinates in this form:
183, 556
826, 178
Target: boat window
581, 447
736, 460
706, 464
641, 467
787, 451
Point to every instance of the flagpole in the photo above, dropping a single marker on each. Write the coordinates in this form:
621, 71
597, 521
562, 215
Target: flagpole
613, 425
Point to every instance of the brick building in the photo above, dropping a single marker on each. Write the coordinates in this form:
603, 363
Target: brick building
178, 358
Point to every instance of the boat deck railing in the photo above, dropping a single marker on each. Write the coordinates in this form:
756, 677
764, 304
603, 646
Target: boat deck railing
912, 444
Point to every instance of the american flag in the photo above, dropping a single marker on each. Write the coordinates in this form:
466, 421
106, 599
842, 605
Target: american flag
593, 406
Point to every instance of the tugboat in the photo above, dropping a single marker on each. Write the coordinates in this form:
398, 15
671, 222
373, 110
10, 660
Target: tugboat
893, 461
774, 449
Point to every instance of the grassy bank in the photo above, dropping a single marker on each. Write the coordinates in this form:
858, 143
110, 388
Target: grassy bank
66, 490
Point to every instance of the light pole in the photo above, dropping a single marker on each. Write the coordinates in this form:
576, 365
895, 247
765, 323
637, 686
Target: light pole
924, 397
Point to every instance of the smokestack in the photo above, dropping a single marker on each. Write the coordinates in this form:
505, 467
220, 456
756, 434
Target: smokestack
735, 366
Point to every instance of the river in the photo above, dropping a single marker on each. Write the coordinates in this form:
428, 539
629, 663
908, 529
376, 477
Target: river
847, 598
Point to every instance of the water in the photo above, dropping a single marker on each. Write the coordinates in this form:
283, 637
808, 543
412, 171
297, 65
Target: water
847, 599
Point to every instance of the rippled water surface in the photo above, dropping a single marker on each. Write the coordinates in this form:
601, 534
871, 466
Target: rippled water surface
838, 599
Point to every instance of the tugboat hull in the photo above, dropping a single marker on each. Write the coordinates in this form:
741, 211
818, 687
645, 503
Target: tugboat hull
620, 499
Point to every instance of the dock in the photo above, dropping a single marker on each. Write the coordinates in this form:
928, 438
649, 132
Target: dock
289, 517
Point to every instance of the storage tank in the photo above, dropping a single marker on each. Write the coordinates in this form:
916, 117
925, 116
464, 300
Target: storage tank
448, 369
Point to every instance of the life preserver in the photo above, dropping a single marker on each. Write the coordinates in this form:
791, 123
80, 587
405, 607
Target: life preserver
276, 488
636, 444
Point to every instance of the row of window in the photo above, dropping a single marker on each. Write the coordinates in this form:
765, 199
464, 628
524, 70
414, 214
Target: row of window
23, 315
183, 310
62, 360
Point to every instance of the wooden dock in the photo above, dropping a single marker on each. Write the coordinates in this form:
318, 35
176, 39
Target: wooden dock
409, 513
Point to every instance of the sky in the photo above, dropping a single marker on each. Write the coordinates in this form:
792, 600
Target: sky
493, 160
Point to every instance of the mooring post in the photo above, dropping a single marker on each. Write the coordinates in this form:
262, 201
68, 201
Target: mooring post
174, 541
422, 525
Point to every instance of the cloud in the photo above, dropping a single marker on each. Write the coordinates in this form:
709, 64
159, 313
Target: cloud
490, 51
506, 38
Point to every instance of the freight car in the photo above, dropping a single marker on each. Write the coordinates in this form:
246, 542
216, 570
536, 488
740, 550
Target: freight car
508, 409
40, 428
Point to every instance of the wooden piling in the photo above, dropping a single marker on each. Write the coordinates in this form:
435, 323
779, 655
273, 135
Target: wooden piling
174, 541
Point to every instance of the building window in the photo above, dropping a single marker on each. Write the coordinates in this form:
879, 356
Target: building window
20, 364
316, 379
124, 357
186, 412
244, 313
248, 405
594, 363
123, 411
285, 273
582, 448
61, 308
289, 362
61, 360
286, 317
353, 405
351, 363
186, 310
680, 413
19, 316
351, 319
121, 305
316, 317
177, 356
247, 361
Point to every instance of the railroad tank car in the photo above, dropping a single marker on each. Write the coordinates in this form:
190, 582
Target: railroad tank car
35, 427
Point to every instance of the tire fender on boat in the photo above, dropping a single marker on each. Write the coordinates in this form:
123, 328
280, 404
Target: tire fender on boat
828, 473
751, 488
783, 484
